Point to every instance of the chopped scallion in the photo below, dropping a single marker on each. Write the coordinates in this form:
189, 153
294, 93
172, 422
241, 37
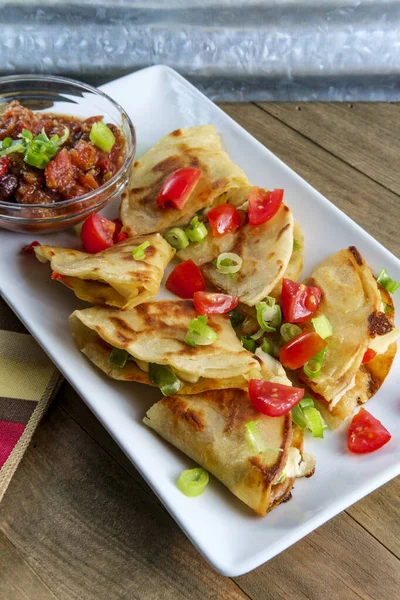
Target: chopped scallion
165, 378
298, 416
254, 437
269, 315
388, 309
288, 331
322, 326
229, 263
101, 136
197, 231
248, 343
387, 282
266, 346
296, 245
177, 238
138, 253
199, 333
306, 402
314, 421
312, 368
193, 482
118, 357
258, 335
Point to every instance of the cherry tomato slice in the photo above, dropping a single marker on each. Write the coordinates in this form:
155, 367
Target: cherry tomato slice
185, 280
301, 349
369, 355
273, 399
263, 204
207, 303
29, 249
4, 164
97, 233
176, 189
224, 219
299, 301
366, 434
57, 276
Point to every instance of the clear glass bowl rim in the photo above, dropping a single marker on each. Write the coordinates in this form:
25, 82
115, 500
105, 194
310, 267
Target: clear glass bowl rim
89, 88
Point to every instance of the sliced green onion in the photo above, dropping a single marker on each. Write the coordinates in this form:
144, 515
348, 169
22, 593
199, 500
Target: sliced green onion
63, 138
236, 317
322, 326
197, 231
138, 253
388, 309
248, 343
15, 146
315, 422
199, 333
36, 158
254, 437
6, 143
118, 357
306, 402
296, 245
266, 346
269, 316
26, 135
165, 378
177, 238
298, 416
312, 368
78, 229
193, 482
288, 331
387, 282
101, 136
282, 477
229, 263
256, 336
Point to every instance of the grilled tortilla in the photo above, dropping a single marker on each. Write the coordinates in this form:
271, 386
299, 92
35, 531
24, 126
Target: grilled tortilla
112, 277
211, 429
198, 147
154, 333
351, 301
265, 249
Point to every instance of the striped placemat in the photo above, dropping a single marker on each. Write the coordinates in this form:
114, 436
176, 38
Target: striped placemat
28, 380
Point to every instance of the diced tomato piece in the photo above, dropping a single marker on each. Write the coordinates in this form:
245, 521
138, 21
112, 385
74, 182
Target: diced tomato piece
273, 399
366, 434
97, 233
29, 249
207, 303
224, 219
60, 171
84, 156
57, 276
105, 163
185, 280
4, 164
369, 355
176, 189
118, 235
88, 181
300, 349
263, 204
299, 301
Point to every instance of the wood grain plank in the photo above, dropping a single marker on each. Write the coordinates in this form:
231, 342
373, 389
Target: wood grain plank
337, 561
18, 581
356, 195
91, 532
365, 135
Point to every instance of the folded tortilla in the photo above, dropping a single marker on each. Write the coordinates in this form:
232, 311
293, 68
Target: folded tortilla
113, 276
351, 301
154, 333
211, 429
199, 147
265, 250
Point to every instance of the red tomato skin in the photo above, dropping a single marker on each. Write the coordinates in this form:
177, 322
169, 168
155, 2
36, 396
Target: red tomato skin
185, 280
273, 399
97, 233
366, 434
4, 164
263, 205
223, 219
176, 189
299, 301
208, 303
368, 356
29, 249
57, 276
300, 349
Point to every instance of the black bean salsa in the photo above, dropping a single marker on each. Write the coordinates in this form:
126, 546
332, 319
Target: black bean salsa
46, 158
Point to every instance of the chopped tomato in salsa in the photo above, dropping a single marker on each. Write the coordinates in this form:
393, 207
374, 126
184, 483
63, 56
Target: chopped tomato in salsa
77, 167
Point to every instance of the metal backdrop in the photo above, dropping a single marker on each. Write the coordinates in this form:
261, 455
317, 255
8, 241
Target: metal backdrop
265, 50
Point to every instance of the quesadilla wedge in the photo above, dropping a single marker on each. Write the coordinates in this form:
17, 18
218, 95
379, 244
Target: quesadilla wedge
113, 276
265, 251
154, 334
351, 301
211, 429
199, 147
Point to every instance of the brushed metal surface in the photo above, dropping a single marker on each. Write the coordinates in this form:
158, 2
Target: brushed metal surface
231, 50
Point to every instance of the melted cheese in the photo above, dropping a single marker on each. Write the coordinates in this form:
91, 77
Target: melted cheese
298, 465
339, 396
381, 343
273, 370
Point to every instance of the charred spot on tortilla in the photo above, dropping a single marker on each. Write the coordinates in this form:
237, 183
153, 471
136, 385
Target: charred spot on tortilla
121, 325
357, 256
181, 410
378, 324
282, 231
168, 165
176, 132
136, 163
268, 473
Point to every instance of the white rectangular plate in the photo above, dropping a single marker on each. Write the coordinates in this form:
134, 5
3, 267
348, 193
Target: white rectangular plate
228, 534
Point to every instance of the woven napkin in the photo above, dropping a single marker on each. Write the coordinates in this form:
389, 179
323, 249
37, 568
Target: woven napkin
28, 380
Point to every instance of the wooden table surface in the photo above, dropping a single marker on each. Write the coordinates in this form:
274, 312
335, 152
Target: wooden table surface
78, 521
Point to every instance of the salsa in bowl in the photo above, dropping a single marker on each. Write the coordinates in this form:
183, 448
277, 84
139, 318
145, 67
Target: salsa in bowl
66, 150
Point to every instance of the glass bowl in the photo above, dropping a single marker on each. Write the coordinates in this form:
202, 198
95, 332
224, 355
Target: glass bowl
43, 93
